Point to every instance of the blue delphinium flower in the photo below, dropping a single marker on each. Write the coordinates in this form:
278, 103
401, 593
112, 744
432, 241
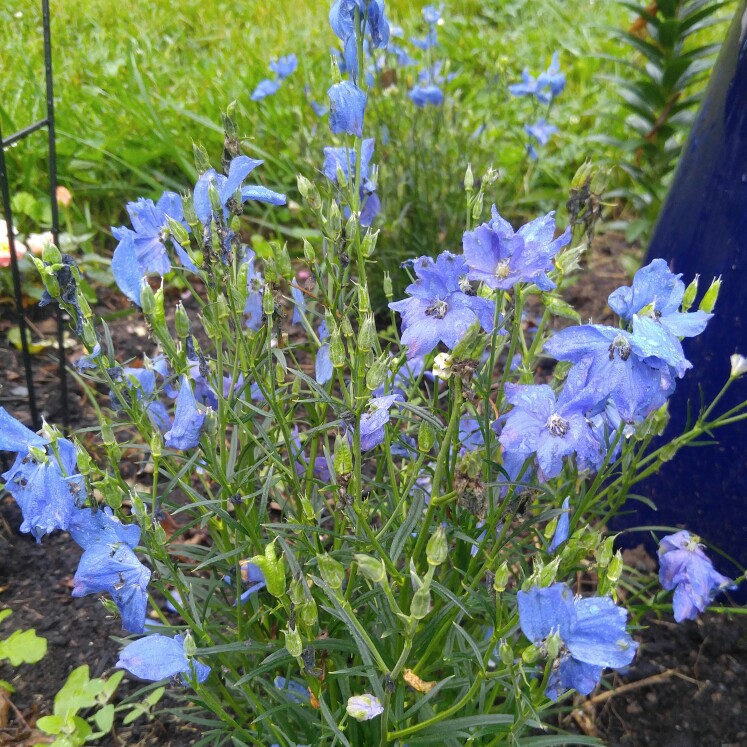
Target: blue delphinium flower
188, 420
545, 88
48, 490
442, 305
623, 366
590, 632
284, 66
255, 285
157, 657
265, 88
16, 437
653, 303
562, 528
323, 368
251, 576
548, 427
501, 258
109, 564
295, 691
142, 251
228, 186
344, 159
143, 382
374, 420
430, 95
470, 435
433, 14
684, 567
541, 131
342, 20
347, 109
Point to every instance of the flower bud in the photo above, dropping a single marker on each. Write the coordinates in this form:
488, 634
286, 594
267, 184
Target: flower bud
268, 301
352, 226
421, 603
309, 192
293, 642
202, 162
501, 577
388, 289
614, 570
553, 644
83, 459
711, 296
604, 552
690, 292
282, 260
210, 424
364, 301
376, 375
107, 435
334, 219
190, 649
343, 459
279, 374
342, 180
437, 549
181, 321
371, 568
273, 569
309, 614
336, 350
156, 444
469, 178
147, 298
346, 327
308, 252
477, 207
530, 654
51, 254
505, 652
738, 365
333, 574
367, 336
426, 436
178, 231
214, 195
368, 247
442, 366
364, 707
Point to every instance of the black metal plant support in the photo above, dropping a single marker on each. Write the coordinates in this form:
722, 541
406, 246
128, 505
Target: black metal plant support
49, 123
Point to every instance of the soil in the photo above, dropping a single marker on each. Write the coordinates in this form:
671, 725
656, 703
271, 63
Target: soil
686, 686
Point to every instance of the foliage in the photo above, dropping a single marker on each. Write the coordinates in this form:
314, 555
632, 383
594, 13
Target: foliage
22, 646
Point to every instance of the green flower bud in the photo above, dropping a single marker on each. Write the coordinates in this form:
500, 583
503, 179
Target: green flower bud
708, 304
346, 327
333, 574
342, 180
293, 642
582, 175
214, 195
549, 572
371, 568
282, 260
156, 445
469, 178
273, 569
51, 254
530, 654
51, 283
83, 459
477, 207
505, 652
279, 374
221, 307
336, 350
615, 568
178, 231
111, 492
388, 289
147, 299
210, 425
181, 322
367, 336
343, 459
437, 549
352, 226
368, 247
309, 192
107, 435
202, 162
268, 301
690, 292
426, 436
501, 577
376, 375
188, 206
334, 219
364, 301
308, 613
308, 253
553, 644
190, 649
420, 605
604, 552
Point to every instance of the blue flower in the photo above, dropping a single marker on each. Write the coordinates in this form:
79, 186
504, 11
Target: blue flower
252, 576
228, 186
428, 42
347, 109
552, 429
684, 567
342, 20
442, 306
591, 634
48, 491
364, 707
430, 95
501, 258
562, 528
109, 564
541, 131
623, 366
653, 305
433, 14
284, 66
157, 657
89, 527
255, 287
344, 158
265, 88
546, 87
374, 419
296, 692
470, 435
142, 251
323, 368
143, 382
14, 436
188, 421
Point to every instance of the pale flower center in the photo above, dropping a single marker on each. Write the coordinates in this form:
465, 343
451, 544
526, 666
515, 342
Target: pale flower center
438, 309
557, 426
